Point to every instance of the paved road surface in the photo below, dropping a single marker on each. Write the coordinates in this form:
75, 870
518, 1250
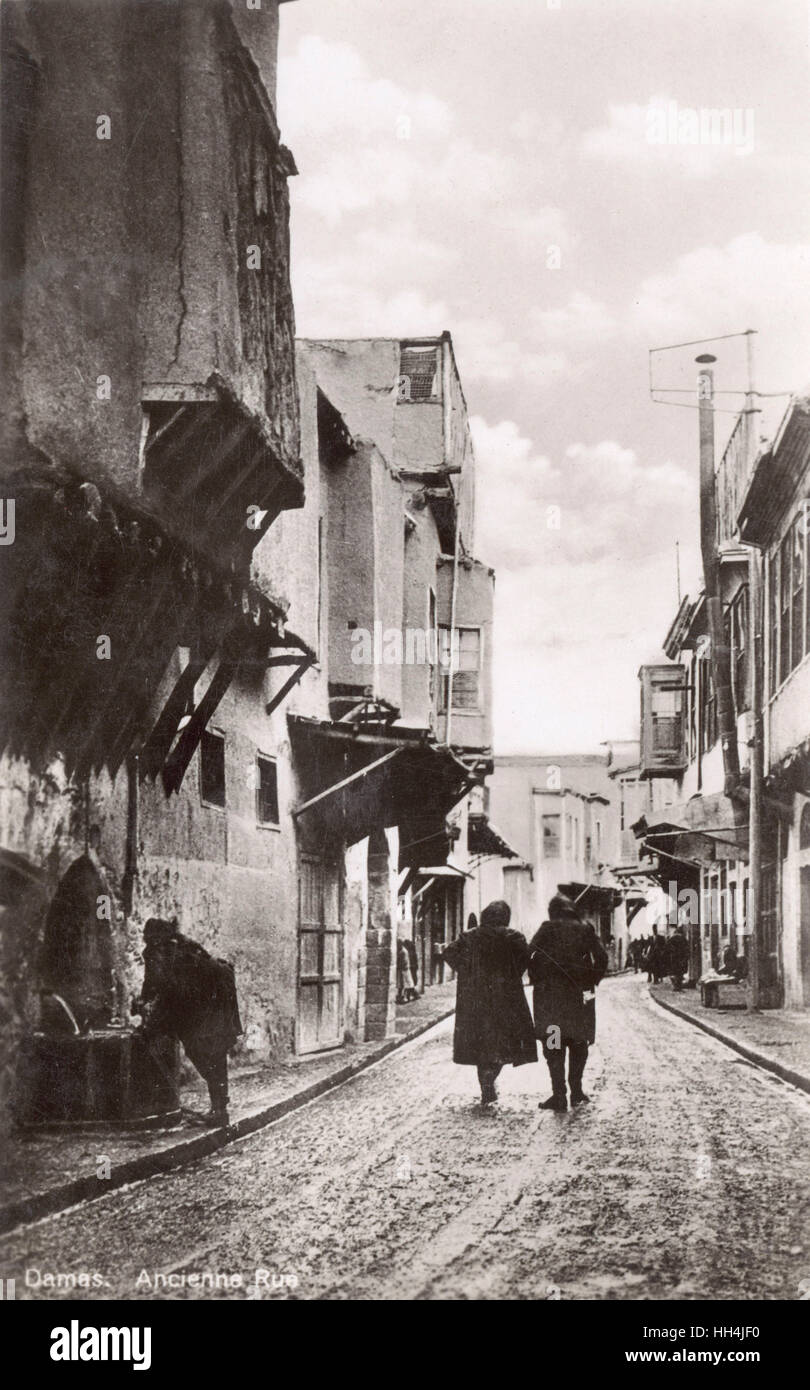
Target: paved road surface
685, 1178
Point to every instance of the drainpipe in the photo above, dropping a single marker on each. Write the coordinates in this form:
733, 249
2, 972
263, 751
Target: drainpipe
721, 666
448, 421
756, 760
756, 626
449, 716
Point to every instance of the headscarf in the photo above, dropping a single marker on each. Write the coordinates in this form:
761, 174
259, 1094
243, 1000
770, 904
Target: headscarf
560, 906
496, 914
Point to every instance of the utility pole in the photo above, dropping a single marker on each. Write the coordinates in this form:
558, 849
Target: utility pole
756, 625
721, 665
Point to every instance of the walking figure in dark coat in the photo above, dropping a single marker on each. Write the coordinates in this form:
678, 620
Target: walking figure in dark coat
493, 1021
677, 958
191, 995
567, 963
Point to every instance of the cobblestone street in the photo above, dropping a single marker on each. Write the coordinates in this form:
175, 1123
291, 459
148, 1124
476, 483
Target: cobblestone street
685, 1178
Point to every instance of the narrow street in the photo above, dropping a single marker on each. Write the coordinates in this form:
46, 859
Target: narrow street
685, 1178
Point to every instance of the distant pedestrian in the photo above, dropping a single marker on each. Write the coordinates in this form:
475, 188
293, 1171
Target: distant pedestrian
567, 962
657, 958
191, 995
406, 990
413, 961
493, 1021
677, 962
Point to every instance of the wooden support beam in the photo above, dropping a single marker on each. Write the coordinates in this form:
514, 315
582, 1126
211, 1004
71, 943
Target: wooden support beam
156, 748
345, 782
303, 665
177, 764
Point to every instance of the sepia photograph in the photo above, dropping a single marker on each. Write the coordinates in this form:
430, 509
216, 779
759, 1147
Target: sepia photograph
405, 668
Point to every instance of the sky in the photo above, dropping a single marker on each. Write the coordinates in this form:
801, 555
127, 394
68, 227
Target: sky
531, 176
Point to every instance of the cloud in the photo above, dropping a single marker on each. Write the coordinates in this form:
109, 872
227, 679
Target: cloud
748, 283
485, 352
583, 549
662, 133
582, 321
598, 505
361, 141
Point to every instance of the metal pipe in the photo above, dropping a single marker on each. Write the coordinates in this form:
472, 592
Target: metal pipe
711, 579
756, 614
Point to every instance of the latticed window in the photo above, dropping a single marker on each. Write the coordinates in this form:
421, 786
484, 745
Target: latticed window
789, 637
738, 643
466, 663
418, 374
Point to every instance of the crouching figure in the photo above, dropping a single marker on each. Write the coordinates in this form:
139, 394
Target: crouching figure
191, 995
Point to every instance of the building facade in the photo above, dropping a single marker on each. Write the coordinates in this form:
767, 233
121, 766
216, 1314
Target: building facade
247, 649
560, 814
696, 828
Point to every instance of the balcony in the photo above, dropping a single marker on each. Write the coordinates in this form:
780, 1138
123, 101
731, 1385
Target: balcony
663, 732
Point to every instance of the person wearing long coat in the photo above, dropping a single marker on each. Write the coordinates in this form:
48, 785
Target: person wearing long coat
567, 962
493, 1021
191, 995
677, 958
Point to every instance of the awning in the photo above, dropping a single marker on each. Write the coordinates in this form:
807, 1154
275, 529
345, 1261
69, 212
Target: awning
353, 786
591, 897
698, 831
484, 838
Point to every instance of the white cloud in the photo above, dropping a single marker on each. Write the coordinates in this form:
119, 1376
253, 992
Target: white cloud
581, 321
583, 549
486, 353
614, 508
360, 140
749, 283
660, 132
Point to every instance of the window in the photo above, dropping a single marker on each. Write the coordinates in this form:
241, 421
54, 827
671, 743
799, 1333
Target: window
738, 644
773, 626
418, 374
784, 608
691, 695
551, 836
466, 668
789, 637
667, 707
708, 705
267, 791
212, 768
434, 651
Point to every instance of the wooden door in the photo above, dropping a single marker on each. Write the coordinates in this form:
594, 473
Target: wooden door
320, 955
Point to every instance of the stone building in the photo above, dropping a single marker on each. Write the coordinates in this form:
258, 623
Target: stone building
150, 440
247, 649
773, 517
409, 703
696, 833
559, 812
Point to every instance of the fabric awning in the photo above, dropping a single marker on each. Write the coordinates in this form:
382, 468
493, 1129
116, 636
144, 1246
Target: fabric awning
353, 786
699, 831
484, 838
593, 897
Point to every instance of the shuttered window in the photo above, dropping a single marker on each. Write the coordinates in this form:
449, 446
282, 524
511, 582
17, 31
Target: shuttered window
466, 668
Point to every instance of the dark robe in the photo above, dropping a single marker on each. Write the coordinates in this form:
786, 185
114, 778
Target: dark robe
567, 959
493, 1021
677, 957
194, 999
